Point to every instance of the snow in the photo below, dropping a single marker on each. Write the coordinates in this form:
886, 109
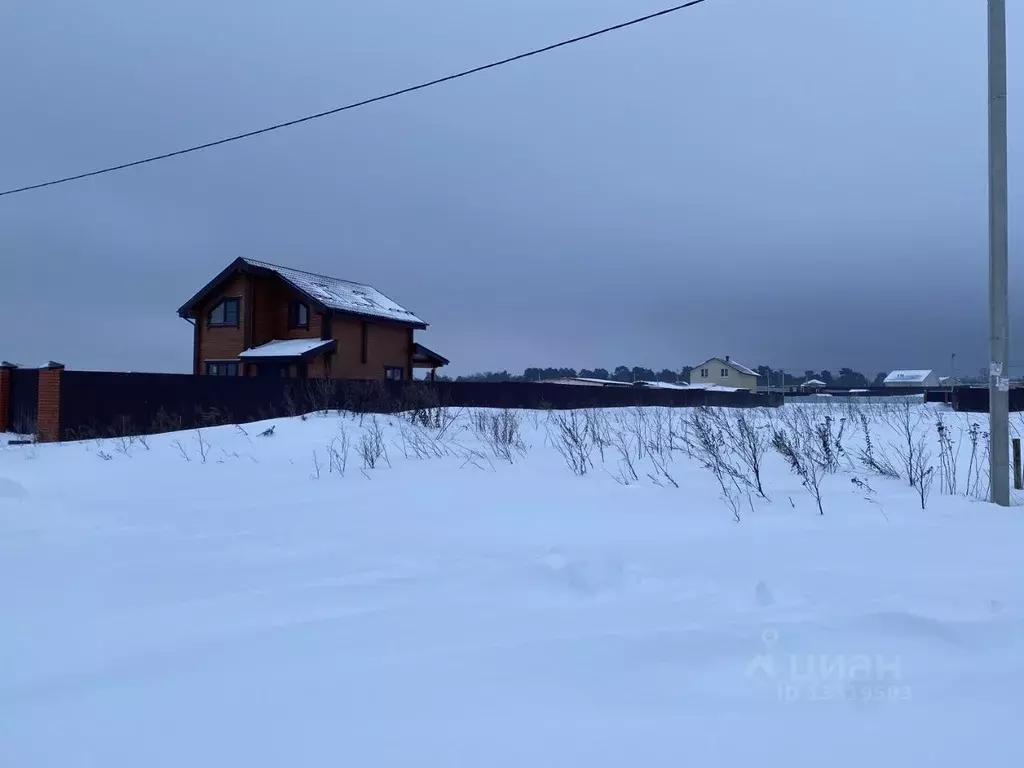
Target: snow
713, 387
469, 611
286, 348
342, 295
663, 385
904, 377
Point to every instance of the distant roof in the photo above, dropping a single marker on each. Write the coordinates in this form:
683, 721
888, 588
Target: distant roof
663, 385
741, 368
329, 292
902, 376
288, 348
587, 382
714, 387
813, 383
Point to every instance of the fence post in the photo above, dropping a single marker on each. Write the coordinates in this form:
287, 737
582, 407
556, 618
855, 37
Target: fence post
48, 416
5, 393
1016, 465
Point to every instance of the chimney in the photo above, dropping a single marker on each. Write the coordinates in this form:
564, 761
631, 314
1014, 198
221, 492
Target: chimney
727, 358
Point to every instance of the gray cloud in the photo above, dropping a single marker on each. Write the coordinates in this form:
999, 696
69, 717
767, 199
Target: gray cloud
794, 183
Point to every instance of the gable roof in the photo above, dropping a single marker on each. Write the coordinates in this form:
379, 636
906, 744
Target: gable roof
906, 376
323, 291
732, 364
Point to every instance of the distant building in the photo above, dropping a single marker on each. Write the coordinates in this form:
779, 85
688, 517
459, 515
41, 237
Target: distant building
724, 373
813, 384
911, 379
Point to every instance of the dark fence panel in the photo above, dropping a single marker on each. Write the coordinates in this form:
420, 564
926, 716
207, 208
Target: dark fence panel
878, 391
99, 404
975, 399
24, 404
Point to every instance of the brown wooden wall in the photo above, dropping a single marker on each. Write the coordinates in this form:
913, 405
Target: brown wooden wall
263, 317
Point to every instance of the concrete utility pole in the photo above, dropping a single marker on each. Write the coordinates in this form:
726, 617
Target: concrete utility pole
999, 370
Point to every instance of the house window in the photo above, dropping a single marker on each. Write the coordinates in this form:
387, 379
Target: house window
394, 374
224, 313
222, 369
703, 373
298, 315
725, 372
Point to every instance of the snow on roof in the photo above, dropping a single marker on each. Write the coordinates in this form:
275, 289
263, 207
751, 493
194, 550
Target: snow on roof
814, 383
663, 385
343, 295
286, 348
714, 388
588, 382
903, 376
741, 368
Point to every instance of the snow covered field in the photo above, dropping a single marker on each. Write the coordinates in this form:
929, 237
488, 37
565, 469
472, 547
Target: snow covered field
464, 609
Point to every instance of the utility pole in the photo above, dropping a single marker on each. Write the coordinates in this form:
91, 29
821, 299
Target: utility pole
999, 370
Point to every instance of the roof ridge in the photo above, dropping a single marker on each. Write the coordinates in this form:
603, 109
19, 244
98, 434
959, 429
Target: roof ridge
305, 272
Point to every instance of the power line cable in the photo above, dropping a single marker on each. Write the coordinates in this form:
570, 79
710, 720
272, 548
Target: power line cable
363, 103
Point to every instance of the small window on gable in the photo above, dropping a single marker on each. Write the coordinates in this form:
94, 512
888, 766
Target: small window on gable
298, 315
703, 373
394, 374
225, 312
725, 373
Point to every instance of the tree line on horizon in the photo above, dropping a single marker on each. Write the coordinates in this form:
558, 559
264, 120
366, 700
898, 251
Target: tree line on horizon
845, 378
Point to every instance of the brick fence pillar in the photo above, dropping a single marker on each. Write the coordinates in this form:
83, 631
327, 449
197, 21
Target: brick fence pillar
48, 418
5, 393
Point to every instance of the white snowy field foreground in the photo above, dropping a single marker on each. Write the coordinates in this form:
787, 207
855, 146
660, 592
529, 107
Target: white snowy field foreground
463, 610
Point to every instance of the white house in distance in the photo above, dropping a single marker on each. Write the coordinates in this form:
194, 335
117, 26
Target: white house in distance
724, 373
911, 379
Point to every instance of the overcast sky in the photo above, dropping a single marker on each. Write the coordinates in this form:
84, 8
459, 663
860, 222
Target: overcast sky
798, 183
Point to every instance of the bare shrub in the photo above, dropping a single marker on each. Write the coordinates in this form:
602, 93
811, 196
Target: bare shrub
319, 394
337, 453
924, 475
203, 444
316, 466
751, 445
420, 443
291, 408
824, 448
104, 455
905, 419
661, 474
599, 429
572, 440
622, 441
164, 421
977, 465
872, 458
949, 457
182, 450
802, 457
709, 444
371, 445
501, 431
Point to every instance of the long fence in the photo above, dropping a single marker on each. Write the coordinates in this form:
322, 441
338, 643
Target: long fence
85, 404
